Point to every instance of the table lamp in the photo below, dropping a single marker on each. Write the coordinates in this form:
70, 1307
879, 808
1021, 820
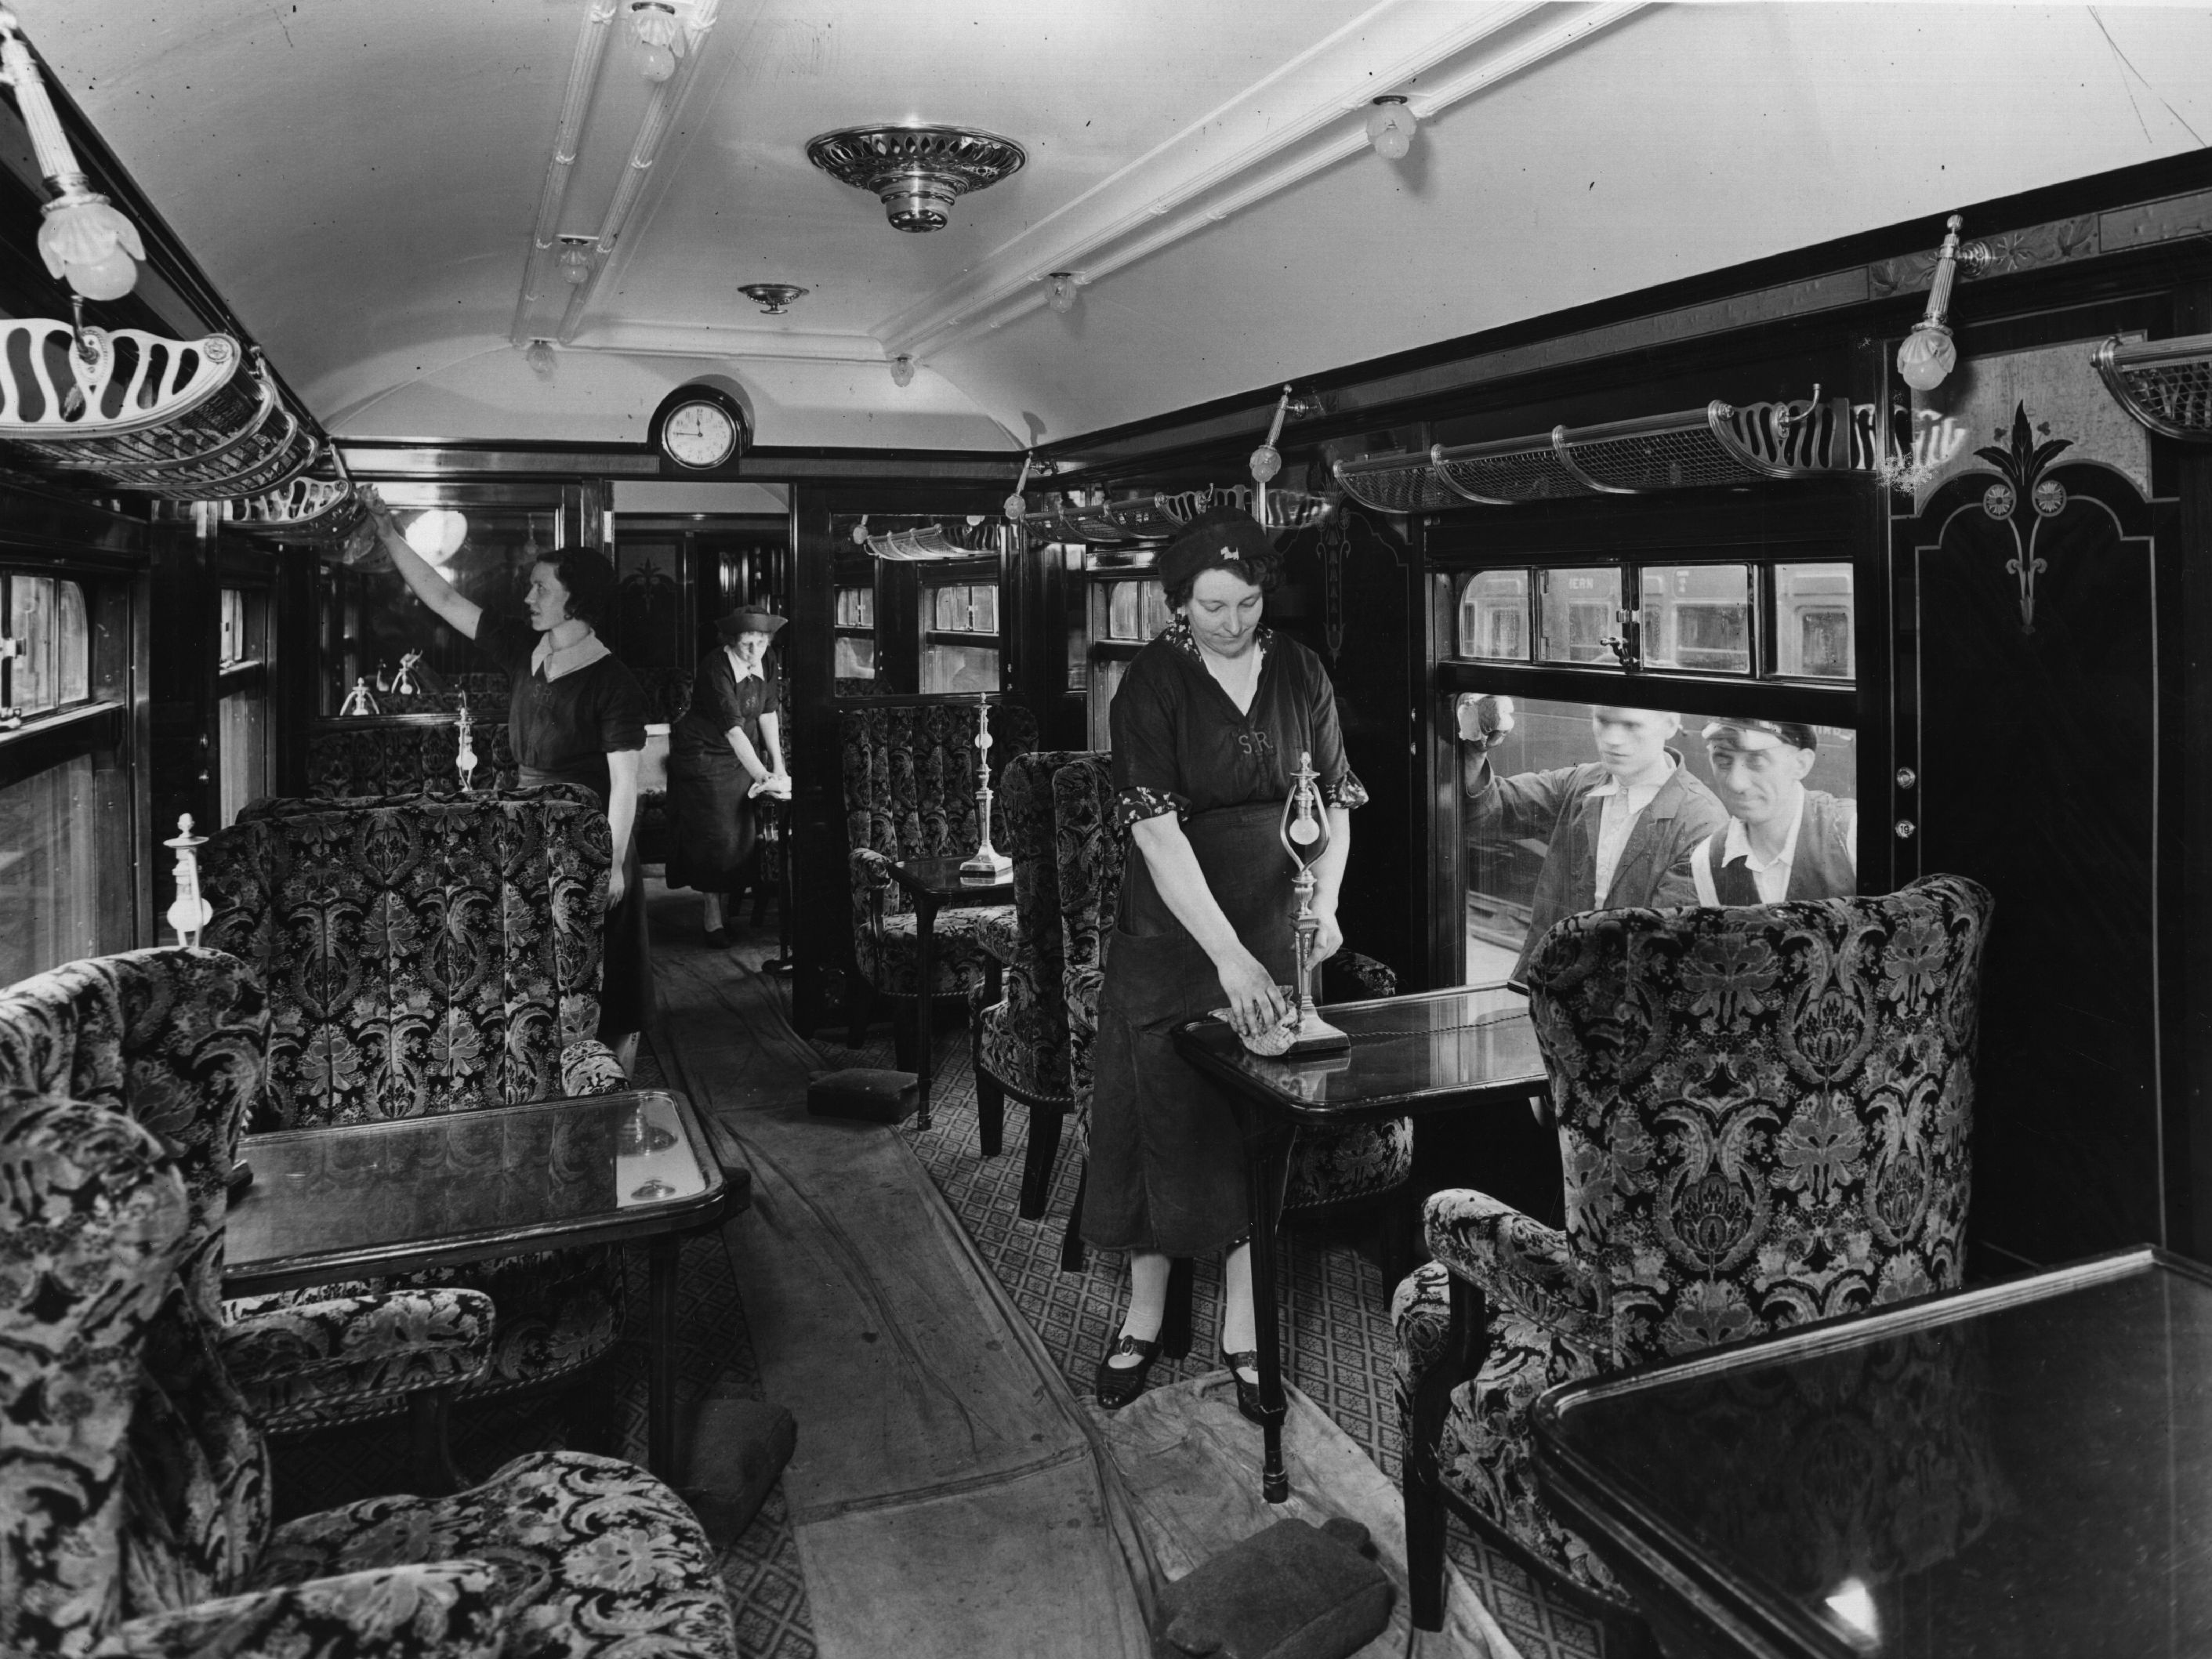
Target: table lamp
989, 865
1305, 838
464, 748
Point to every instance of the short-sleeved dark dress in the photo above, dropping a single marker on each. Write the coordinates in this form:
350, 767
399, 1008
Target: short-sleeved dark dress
1167, 1166
562, 731
711, 811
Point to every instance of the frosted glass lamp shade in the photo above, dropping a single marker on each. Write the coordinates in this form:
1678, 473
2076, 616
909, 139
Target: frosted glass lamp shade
1926, 356
90, 245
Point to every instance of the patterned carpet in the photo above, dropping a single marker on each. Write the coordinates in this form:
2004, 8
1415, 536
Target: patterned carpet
1338, 1310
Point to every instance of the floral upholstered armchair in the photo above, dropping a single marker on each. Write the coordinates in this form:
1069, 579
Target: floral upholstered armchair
1020, 1040
429, 955
138, 1525
1363, 1163
1764, 1117
394, 754
174, 1038
909, 779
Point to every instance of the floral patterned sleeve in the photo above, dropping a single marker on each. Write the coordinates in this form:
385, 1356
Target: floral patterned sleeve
1147, 777
1340, 786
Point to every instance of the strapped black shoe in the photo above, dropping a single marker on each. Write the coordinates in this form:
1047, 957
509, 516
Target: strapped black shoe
1117, 1385
1248, 1394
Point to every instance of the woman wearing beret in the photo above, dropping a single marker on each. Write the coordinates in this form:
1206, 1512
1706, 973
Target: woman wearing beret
1208, 725
726, 749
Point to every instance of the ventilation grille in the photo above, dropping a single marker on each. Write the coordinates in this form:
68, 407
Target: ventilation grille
171, 418
2164, 383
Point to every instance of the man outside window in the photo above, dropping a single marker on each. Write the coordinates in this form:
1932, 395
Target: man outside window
1614, 827
1783, 840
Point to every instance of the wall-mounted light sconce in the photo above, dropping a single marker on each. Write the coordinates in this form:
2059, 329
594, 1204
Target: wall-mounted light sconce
1390, 126
575, 260
901, 370
1063, 283
1927, 355
84, 242
1018, 504
1267, 460
538, 354
773, 298
659, 38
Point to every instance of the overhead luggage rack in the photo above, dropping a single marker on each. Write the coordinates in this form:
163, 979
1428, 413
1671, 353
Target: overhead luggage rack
308, 509
2164, 383
1507, 470
1395, 484
185, 419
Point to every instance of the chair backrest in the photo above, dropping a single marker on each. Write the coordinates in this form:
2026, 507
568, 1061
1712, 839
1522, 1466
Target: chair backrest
421, 955
1764, 1111
1088, 854
399, 755
173, 1038
909, 774
1023, 829
136, 1482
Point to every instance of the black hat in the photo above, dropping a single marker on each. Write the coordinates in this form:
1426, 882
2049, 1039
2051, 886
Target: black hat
1216, 538
750, 619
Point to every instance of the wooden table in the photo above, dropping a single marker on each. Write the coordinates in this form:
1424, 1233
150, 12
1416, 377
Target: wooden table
2022, 1469
360, 1199
936, 885
1440, 1051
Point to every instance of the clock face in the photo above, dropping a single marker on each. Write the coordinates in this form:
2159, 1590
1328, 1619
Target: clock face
700, 434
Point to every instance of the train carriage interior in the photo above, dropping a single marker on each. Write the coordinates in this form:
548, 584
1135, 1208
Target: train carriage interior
634, 948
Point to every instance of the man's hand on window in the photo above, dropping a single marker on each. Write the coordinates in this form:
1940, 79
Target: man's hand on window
1485, 720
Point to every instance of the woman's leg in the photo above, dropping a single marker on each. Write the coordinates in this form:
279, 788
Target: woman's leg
1148, 1302
1239, 1333
712, 903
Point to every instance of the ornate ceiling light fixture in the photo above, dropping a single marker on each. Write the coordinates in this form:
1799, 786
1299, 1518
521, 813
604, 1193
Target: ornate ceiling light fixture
918, 172
773, 298
88, 244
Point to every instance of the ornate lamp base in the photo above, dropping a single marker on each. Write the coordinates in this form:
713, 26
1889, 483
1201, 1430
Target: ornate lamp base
1315, 1036
989, 866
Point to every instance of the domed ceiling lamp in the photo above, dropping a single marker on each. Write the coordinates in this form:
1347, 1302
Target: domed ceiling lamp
84, 242
659, 40
1390, 126
538, 354
917, 171
1063, 285
1927, 355
575, 260
773, 298
902, 370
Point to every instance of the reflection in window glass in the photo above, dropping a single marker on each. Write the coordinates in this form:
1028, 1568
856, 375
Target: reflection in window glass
1123, 611
1580, 611
1698, 616
244, 734
855, 659
1493, 616
1504, 845
964, 609
856, 607
1812, 635
49, 887
959, 668
53, 663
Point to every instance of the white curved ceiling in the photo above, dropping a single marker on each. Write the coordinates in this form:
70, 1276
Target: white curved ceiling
360, 178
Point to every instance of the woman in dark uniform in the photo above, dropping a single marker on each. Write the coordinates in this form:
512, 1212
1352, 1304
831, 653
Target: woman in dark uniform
574, 715
726, 749
1208, 727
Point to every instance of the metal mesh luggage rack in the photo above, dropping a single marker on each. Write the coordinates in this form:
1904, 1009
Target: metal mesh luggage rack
175, 418
1395, 484
1507, 471
2164, 383
305, 509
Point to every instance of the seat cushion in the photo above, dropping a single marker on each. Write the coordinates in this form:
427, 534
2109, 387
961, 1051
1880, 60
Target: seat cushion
593, 1555
958, 956
1025, 1051
1338, 1166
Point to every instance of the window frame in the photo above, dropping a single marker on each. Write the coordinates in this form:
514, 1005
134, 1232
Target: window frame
983, 570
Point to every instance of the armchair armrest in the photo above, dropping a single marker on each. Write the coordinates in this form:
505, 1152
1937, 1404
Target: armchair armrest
588, 1067
1001, 935
428, 1610
309, 1361
1518, 1262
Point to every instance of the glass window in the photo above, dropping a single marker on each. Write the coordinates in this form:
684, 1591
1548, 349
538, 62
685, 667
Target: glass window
856, 607
959, 668
856, 658
1580, 613
1124, 610
1813, 630
1493, 616
1698, 616
243, 716
51, 665
1503, 848
49, 886
970, 608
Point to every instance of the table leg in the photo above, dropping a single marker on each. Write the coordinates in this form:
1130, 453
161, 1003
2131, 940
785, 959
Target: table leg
925, 966
661, 1401
1268, 1162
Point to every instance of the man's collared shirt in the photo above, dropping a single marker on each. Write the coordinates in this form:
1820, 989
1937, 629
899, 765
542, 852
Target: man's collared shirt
1617, 817
1769, 876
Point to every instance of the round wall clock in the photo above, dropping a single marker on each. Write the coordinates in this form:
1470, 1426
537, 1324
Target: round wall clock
700, 428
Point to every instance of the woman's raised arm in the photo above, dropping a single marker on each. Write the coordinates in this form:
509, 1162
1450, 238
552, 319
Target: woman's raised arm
433, 589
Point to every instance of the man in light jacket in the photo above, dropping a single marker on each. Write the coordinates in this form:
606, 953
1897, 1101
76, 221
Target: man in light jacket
1782, 839
1614, 828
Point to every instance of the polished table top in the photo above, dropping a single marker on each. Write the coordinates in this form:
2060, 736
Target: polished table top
420, 1192
2024, 1469
1426, 1051
941, 879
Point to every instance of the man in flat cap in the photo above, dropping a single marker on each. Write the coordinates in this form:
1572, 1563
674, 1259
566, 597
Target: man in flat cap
1613, 828
1783, 840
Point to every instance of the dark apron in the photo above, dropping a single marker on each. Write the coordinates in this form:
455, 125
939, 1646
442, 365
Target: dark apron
1166, 1170
711, 821
626, 953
